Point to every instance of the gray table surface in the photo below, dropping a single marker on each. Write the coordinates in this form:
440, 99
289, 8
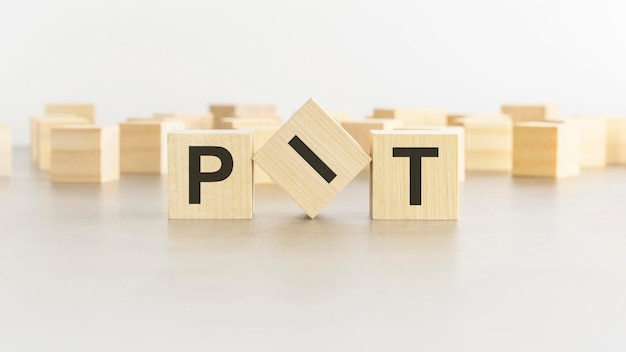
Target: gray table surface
531, 265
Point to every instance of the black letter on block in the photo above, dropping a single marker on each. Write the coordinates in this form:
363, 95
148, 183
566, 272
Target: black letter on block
196, 177
415, 156
310, 157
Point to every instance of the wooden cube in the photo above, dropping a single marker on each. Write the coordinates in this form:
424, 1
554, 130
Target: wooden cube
6, 150
488, 143
593, 143
143, 145
261, 136
210, 174
221, 111
85, 154
198, 121
456, 119
229, 123
528, 113
414, 116
86, 111
43, 128
414, 175
616, 141
312, 158
546, 149
340, 116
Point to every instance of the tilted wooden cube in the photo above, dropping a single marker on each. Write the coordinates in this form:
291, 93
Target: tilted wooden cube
414, 116
414, 175
43, 129
546, 149
221, 111
6, 150
593, 144
86, 111
529, 113
143, 145
616, 141
210, 174
312, 158
488, 143
85, 154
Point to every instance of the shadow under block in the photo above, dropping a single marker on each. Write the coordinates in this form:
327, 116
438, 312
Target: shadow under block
85, 154
528, 113
488, 143
86, 111
221, 111
198, 121
44, 128
593, 131
312, 158
214, 181
143, 145
616, 141
6, 150
414, 116
546, 149
414, 175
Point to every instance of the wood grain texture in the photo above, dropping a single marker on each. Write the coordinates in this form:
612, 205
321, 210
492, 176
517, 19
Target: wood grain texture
44, 128
488, 143
546, 149
231, 198
414, 116
325, 138
87, 111
529, 113
221, 111
143, 145
593, 141
85, 154
391, 176
616, 141
6, 150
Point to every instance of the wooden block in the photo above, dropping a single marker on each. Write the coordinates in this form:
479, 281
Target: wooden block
414, 175
526, 113
229, 123
312, 158
6, 150
85, 154
221, 111
198, 121
593, 143
340, 116
546, 149
86, 111
33, 140
488, 143
143, 145
415, 116
210, 174
616, 141
460, 132
44, 128
360, 130
261, 136
455, 119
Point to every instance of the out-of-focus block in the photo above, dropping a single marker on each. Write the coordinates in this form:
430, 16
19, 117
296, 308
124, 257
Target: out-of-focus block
616, 141
34, 148
143, 145
488, 143
361, 130
199, 121
414, 175
261, 136
528, 113
414, 116
210, 174
456, 119
87, 111
546, 149
340, 116
230, 123
592, 140
6, 150
221, 111
85, 154
43, 128
312, 158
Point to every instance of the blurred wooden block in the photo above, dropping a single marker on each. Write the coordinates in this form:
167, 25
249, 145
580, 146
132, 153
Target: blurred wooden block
85, 154
86, 111
616, 141
33, 140
210, 174
6, 150
414, 116
43, 128
312, 158
593, 141
546, 149
220, 111
414, 175
143, 145
261, 136
456, 119
340, 116
361, 130
199, 121
488, 143
527, 113
230, 123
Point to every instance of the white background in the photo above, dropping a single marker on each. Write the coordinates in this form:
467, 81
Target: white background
133, 58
